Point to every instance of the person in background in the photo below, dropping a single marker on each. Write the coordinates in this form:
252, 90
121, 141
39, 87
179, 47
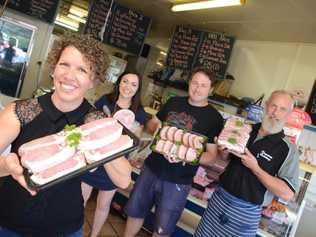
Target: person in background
10, 52
162, 183
270, 163
126, 95
77, 62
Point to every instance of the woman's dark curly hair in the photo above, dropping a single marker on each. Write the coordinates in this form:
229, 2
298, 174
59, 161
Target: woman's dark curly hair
93, 51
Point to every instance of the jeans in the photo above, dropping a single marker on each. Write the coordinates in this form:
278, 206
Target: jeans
8, 233
168, 198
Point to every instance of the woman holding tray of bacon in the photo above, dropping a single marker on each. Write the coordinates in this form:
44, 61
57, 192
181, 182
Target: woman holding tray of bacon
77, 63
126, 95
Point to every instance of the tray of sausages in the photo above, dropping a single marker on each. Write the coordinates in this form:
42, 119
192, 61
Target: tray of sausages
179, 144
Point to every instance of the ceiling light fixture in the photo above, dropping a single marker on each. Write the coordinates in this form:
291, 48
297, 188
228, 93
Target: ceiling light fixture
67, 22
163, 53
159, 64
78, 11
206, 4
66, 25
77, 18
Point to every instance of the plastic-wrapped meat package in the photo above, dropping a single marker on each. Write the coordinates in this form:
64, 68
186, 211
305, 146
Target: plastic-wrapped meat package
235, 135
201, 178
196, 193
208, 193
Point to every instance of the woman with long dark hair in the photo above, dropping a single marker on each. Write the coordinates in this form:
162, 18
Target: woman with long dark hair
126, 95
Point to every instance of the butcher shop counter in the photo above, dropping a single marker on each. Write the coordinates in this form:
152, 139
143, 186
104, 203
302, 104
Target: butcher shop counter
194, 209
197, 200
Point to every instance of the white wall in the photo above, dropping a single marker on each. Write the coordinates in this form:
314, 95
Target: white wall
261, 67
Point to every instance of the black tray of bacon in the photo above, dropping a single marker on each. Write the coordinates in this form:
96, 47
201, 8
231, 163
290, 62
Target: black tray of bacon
75, 150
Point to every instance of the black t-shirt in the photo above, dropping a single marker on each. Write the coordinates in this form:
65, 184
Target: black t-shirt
204, 120
59, 209
271, 152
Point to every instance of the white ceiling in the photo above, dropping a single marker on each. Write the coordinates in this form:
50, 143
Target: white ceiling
267, 20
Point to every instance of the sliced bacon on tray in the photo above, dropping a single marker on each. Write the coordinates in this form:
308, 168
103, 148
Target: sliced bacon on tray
73, 163
37, 160
120, 144
53, 156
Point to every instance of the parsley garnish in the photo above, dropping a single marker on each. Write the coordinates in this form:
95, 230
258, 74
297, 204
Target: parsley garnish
232, 140
69, 128
239, 123
73, 138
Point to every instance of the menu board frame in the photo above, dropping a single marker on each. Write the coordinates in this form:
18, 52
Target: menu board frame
178, 37
215, 56
26, 7
110, 33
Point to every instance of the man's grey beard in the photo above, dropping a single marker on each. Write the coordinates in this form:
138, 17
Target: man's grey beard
271, 125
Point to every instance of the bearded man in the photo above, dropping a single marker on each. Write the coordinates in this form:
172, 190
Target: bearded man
270, 163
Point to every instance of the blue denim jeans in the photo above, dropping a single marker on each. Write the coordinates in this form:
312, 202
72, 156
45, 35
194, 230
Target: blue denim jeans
8, 233
168, 198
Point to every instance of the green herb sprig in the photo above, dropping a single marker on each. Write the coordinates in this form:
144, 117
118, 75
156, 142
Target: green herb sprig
232, 140
73, 138
69, 128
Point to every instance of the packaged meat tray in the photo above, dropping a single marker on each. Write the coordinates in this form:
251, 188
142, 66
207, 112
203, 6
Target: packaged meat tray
75, 150
178, 144
235, 135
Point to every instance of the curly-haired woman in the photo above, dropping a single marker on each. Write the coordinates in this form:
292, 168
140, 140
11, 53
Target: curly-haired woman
78, 62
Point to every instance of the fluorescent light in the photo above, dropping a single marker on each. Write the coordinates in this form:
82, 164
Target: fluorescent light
206, 4
159, 63
77, 18
163, 53
65, 25
67, 22
78, 11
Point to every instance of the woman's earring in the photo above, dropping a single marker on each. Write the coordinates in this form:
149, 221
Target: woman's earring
51, 76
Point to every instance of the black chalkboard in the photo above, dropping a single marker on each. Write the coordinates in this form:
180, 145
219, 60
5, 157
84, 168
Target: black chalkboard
311, 104
214, 53
97, 19
120, 27
183, 48
44, 10
192, 48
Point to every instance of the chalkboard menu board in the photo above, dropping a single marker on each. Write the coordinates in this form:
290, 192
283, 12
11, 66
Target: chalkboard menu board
98, 13
183, 48
120, 26
191, 48
311, 105
44, 10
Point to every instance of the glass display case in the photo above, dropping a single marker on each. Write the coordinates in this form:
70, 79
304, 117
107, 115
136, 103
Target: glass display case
16, 41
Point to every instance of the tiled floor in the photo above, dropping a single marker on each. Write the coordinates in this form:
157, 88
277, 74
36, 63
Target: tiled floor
114, 226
